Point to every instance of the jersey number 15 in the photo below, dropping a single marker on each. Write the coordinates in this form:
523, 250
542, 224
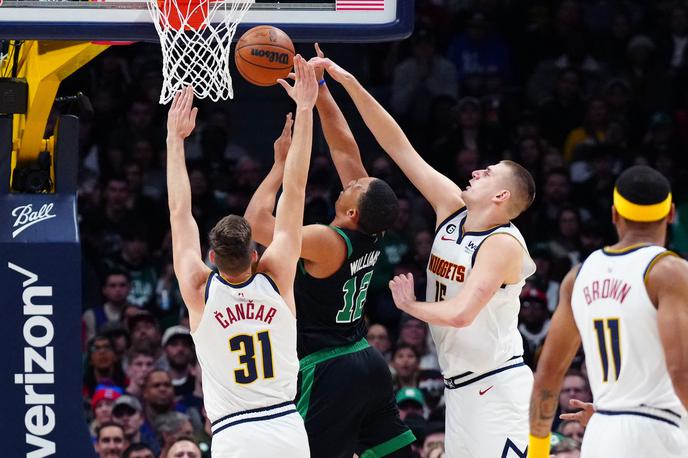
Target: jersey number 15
245, 343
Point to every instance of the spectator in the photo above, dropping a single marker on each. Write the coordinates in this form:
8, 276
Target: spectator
110, 441
410, 401
478, 52
128, 413
101, 366
139, 363
134, 259
102, 404
114, 213
119, 336
564, 110
593, 131
378, 337
572, 429
184, 447
431, 384
158, 395
145, 332
405, 366
414, 332
179, 357
566, 448
575, 386
418, 79
433, 443
170, 427
115, 291
138, 451
534, 318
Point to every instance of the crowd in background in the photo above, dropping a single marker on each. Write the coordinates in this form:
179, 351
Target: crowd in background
575, 90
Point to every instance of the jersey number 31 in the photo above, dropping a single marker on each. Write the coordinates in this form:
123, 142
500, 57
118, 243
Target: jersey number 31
245, 344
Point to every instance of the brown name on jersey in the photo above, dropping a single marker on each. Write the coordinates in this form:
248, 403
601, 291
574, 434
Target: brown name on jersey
247, 311
609, 288
446, 269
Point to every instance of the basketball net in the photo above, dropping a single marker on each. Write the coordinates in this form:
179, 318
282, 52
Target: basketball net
196, 38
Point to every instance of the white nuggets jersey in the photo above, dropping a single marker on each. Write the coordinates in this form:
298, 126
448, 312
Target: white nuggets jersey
246, 346
493, 338
618, 326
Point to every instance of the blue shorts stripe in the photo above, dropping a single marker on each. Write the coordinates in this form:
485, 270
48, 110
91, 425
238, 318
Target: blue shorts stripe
638, 414
244, 412
251, 419
452, 385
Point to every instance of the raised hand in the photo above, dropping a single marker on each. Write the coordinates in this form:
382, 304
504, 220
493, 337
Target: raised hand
335, 71
319, 71
582, 416
283, 142
305, 89
402, 290
181, 119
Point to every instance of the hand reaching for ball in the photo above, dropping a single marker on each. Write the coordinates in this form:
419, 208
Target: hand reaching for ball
305, 89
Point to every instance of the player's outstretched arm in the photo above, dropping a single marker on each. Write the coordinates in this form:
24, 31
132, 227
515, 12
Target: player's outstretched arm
281, 257
561, 345
442, 193
667, 285
341, 142
259, 210
189, 268
498, 262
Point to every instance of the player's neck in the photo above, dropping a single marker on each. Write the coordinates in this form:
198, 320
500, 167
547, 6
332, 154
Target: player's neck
636, 237
483, 219
239, 278
344, 222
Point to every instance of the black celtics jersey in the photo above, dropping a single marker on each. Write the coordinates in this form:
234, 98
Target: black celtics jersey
329, 311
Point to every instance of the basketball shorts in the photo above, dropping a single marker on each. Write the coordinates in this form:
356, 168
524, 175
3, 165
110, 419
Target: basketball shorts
275, 431
347, 401
634, 434
487, 415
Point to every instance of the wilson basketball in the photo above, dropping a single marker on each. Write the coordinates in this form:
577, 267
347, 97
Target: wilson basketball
263, 54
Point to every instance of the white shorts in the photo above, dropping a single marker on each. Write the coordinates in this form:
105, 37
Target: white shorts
488, 417
268, 433
633, 436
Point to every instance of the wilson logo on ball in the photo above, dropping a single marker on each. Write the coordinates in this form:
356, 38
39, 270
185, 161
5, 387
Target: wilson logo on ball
272, 56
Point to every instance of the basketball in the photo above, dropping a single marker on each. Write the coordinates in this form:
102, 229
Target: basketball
263, 54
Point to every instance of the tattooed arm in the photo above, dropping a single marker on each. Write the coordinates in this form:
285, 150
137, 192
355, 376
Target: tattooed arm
563, 341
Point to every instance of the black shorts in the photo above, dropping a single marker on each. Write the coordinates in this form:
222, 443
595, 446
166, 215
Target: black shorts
347, 401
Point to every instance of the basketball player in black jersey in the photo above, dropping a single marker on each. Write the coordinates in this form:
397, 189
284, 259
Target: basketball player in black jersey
345, 393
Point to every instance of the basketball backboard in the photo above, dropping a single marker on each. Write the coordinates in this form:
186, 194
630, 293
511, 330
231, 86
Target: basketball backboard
130, 20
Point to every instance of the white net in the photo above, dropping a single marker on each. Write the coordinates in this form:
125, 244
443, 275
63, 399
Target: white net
196, 38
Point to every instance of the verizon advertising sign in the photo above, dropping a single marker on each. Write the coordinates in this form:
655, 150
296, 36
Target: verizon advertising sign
40, 329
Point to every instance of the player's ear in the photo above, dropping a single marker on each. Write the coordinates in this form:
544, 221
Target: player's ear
353, 214
502, 196
211, 256
254, 256
671, 215
615, 215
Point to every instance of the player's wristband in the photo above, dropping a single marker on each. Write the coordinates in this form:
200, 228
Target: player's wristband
321, 82
538, 447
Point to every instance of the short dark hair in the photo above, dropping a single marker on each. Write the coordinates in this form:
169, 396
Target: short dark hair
378, 208
524, 187
643, 185
136, 448
107, 424
117, 272
403, 346
230, 239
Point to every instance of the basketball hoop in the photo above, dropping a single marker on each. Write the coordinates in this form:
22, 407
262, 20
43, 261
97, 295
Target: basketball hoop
196, 37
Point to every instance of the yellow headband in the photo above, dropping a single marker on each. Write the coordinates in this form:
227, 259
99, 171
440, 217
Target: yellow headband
641, 213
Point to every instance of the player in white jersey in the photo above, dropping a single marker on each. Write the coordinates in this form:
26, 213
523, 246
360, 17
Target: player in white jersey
244, 324
478, 267
628, 304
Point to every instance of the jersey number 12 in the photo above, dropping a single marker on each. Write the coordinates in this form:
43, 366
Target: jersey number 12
245, 343
353, 309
